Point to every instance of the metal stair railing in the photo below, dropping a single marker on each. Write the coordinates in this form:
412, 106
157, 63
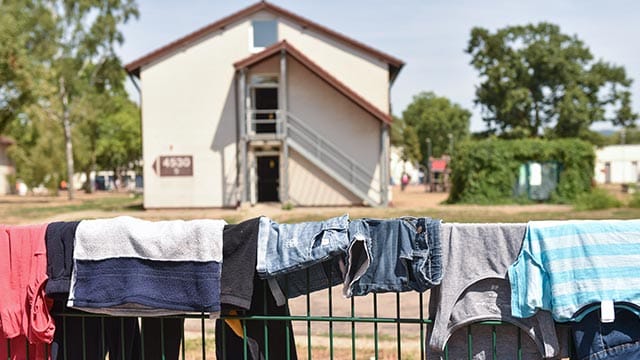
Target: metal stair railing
332, 160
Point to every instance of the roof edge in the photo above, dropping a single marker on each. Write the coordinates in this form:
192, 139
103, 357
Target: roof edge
133, 67
318, 71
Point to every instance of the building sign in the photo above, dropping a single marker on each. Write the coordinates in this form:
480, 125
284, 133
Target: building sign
174, 165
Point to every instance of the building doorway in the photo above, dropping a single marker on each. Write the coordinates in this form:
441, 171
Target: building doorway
264, 100
268, 178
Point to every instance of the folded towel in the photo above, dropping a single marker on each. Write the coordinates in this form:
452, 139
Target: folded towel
128, 237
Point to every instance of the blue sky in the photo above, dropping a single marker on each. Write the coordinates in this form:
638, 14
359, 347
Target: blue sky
430, 36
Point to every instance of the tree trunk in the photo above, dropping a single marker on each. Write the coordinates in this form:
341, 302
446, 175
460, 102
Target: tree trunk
66, 122
69, 155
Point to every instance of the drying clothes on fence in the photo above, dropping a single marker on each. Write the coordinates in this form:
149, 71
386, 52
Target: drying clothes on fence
305, 281
137, 287
475, 259
595, 340
94, 337
24, 309
59, 240
287, 253
128, 237
240, 243
91, 338
271, 339
162, 268
284, 248
567, 265
393, 255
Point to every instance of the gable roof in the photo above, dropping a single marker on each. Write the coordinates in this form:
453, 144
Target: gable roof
395, 64
318, 71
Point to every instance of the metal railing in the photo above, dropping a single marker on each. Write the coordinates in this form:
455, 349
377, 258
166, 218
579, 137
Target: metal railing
331, 159
270, 125
265, 124
325, 326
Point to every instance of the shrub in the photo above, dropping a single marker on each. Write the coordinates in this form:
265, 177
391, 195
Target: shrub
635, 200
484, 172
597, 199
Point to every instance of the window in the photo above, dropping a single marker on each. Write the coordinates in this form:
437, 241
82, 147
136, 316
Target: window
265, 33
264, 79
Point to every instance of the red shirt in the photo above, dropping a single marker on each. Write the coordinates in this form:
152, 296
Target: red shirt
24, 309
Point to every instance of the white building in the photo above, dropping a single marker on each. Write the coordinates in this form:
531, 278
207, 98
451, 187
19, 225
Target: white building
264, 105
617, 164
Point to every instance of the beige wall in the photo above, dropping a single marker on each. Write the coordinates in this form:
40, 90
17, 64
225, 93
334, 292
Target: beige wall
310, 186
337, 119
188, 108
367, 76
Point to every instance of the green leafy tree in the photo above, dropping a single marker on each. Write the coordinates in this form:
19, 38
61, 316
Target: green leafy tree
534, 78
119, 146
406, 138
626, 136
85, 61
38, 154
436, 118
108, 134
27, 32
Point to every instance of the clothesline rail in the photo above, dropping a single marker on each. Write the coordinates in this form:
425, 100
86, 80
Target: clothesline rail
405, 347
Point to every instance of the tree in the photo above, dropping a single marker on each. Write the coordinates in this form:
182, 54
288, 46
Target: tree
535, 78
27, 32
406, 138
85, 60
119, 146
438, 119
39, 153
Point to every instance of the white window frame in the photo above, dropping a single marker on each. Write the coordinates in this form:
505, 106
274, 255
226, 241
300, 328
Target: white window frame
252, 48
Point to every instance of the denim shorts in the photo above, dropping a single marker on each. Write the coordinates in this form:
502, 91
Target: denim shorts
619, 340
393, 255
320, 276
285, 248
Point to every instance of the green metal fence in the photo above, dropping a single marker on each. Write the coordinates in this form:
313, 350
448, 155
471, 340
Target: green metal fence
325, 326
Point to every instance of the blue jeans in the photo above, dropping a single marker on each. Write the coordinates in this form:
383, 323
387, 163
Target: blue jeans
317, 277
393, 255
285, 248
619, 340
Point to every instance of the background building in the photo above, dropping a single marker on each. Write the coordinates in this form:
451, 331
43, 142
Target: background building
264, 105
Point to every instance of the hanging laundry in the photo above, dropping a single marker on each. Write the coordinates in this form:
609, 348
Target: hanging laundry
265, 339
301, 258
284, 248
79, 338
317, 277
618, 340
24, 310
240, 243
59, 238
566, 265
475, 259
161, 268
392, 255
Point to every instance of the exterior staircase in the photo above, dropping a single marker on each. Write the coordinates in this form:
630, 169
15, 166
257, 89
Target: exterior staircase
327, 156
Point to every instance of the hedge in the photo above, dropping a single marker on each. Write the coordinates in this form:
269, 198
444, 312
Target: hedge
484, 172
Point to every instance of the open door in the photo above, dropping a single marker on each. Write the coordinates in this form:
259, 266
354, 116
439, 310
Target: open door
268, 178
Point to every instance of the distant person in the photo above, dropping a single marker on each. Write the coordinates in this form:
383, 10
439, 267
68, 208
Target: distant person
404, 181
63, 185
